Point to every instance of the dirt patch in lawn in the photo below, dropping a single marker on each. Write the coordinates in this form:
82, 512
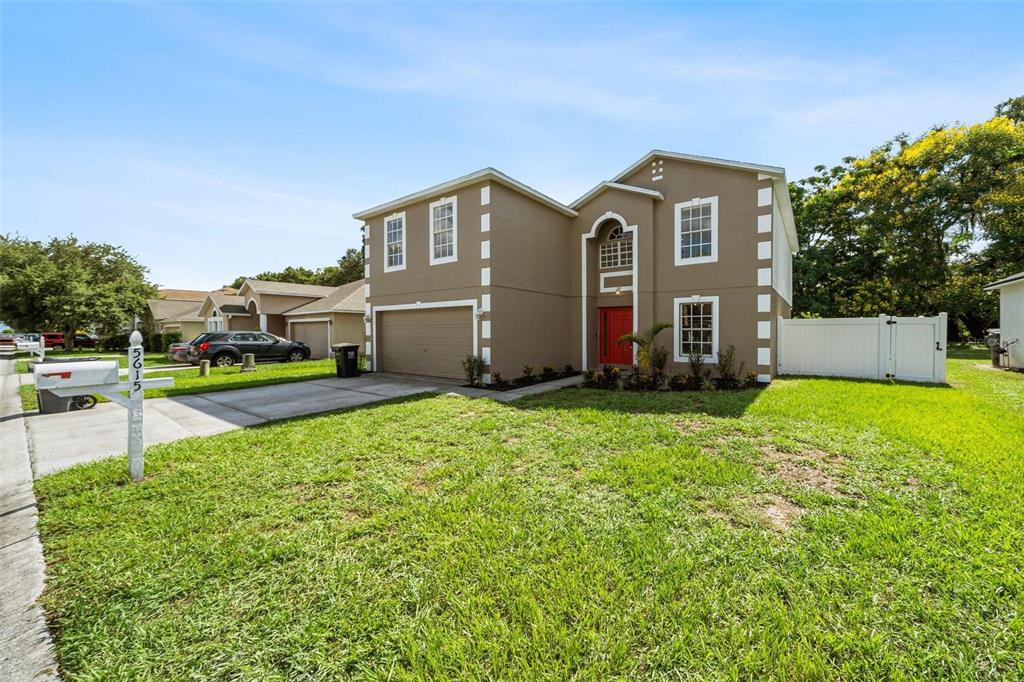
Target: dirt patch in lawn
689, 426
804, 469
779, 513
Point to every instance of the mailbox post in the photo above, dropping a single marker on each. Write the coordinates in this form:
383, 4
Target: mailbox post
135, 387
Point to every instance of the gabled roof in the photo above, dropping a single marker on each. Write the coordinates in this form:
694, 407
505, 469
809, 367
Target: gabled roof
190, 294
776, 173
1005, 281
162, 309
695, 158
348, 298
489, 174
262, 286
653, 193
227, 304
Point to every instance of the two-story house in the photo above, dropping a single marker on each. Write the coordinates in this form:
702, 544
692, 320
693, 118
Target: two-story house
485, 265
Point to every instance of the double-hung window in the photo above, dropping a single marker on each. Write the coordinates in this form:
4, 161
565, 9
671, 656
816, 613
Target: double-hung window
444, 231
617, 250
394, 242
696, 328
696, 233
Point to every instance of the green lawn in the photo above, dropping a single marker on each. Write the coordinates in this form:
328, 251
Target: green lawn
188, 381
23, 365
817, 529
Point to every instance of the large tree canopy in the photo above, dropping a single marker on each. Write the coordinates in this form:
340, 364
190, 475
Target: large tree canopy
917, 226
65, 285
348, 269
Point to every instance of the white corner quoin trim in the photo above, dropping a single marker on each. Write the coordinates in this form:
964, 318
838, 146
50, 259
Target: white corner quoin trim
419, 305
764, 196
676, 303
678, 236
764, 303
485, 195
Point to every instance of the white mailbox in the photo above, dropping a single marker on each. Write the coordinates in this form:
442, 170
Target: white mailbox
85, 373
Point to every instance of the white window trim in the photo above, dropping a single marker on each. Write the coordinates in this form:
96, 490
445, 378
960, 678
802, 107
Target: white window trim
605, 289
395, 268
608, 243
676, 302
454, 201
678, 241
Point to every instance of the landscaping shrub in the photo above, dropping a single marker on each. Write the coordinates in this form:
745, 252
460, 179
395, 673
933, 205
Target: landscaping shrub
750, 381
728, 372
473, 365
678, 382
500, 382
708, 384
548, 373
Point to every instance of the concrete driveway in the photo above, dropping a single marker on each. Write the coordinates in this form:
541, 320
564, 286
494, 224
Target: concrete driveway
58, 441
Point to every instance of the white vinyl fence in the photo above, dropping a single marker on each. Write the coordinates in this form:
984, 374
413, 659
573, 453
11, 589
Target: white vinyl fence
883, 347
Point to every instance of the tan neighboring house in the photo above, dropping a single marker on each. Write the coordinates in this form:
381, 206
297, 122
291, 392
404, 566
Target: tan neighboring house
485, 265
177, 310
336, 318
316, 315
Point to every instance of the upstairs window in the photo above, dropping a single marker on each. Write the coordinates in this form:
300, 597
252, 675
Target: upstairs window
696, 223
444, 232
617, 250
394, 242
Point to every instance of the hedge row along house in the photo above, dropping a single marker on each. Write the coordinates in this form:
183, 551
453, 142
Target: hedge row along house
485, 265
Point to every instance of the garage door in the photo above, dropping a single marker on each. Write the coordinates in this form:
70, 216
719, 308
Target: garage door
314, 335
430, 342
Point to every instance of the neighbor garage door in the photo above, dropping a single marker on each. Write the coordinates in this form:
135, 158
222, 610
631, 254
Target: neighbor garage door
431, 342
314, 335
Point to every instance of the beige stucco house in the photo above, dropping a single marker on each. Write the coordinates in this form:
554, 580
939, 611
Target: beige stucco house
177, 310
486, 265
1011, 316
315, 315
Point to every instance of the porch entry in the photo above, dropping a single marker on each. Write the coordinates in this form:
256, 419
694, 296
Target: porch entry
612, 324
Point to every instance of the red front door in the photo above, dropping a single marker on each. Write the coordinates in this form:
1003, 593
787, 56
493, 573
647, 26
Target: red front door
613, 323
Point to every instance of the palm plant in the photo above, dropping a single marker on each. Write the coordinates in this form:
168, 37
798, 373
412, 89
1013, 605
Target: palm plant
645, 344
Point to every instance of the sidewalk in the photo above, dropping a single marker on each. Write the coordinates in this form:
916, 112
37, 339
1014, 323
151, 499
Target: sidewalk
28, 650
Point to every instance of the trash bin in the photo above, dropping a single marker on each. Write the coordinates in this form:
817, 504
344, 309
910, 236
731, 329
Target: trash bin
992, 341
50, 402
346, 359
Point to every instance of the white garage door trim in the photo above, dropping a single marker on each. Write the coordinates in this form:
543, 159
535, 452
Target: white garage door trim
463, 303
314, 319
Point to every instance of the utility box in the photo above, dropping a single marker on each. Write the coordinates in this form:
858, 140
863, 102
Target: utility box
346, 359
63, 373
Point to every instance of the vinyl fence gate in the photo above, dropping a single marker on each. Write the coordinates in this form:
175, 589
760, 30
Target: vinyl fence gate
883, 347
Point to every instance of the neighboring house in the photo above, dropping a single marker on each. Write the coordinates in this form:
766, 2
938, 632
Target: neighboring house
336, 318
177, 310
226, 312
1011, 316
485, 265
316, 315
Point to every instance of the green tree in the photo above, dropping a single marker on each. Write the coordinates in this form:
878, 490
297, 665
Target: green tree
916, 226
66, 285
348, 269
645, 349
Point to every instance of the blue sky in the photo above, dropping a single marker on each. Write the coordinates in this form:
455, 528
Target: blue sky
213, 140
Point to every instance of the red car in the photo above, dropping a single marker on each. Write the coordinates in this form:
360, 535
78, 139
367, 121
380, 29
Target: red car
56, 340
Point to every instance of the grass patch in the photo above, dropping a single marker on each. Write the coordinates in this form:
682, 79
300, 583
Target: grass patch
24, 366
582, 534
188, 381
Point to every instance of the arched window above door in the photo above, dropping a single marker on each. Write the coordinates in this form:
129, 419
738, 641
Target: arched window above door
617, 249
